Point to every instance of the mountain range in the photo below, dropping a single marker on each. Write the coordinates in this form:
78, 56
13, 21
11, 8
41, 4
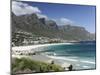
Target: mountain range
49, 28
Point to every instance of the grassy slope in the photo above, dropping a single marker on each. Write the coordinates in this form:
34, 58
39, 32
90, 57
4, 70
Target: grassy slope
24, 65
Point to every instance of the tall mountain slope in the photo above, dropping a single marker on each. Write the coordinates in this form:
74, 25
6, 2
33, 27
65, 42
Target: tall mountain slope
75, 32
31, 23
49, 28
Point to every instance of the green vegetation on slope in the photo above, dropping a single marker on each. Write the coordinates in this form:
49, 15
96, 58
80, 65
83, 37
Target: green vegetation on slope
25, 65
49, 28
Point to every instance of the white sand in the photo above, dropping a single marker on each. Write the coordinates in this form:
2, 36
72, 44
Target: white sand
40, 57
45, 59
30, 47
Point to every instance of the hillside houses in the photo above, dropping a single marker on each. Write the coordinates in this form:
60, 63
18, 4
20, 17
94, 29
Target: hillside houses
24, 38
21, 38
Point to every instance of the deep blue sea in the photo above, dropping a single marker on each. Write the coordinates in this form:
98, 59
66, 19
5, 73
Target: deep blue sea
80, 55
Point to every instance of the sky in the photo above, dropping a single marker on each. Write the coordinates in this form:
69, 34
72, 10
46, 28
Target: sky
62, 14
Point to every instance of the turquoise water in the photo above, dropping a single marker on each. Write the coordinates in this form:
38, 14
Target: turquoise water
81, 55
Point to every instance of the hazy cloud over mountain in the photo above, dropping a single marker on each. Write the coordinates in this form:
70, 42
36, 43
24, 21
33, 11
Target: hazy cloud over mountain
42, 16
63, 21
20, 8
69, 14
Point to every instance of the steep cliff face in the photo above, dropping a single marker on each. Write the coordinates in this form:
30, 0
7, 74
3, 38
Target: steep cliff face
26, 22
31, 23
52, 24
75, 32
48, 28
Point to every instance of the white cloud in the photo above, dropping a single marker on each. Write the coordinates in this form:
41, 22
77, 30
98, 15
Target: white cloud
63, 21
20, 8
42, 16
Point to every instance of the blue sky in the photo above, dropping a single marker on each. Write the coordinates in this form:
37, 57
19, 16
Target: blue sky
79, 15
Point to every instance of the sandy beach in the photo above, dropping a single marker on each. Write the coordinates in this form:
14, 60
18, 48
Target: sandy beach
46, 59
40, 57
33, 47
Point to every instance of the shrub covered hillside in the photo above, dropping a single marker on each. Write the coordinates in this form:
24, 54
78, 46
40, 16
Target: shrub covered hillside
25, 65
49, 28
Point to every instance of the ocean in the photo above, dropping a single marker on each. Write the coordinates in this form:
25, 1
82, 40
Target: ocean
81, 55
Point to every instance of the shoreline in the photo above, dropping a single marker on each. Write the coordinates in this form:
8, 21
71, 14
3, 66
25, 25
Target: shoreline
68, 61
40, 57
59, 61
71, 59
30, 47
45, 59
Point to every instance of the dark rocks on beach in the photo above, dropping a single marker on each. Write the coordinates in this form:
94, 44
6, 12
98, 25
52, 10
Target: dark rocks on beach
70, 68
52, 62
